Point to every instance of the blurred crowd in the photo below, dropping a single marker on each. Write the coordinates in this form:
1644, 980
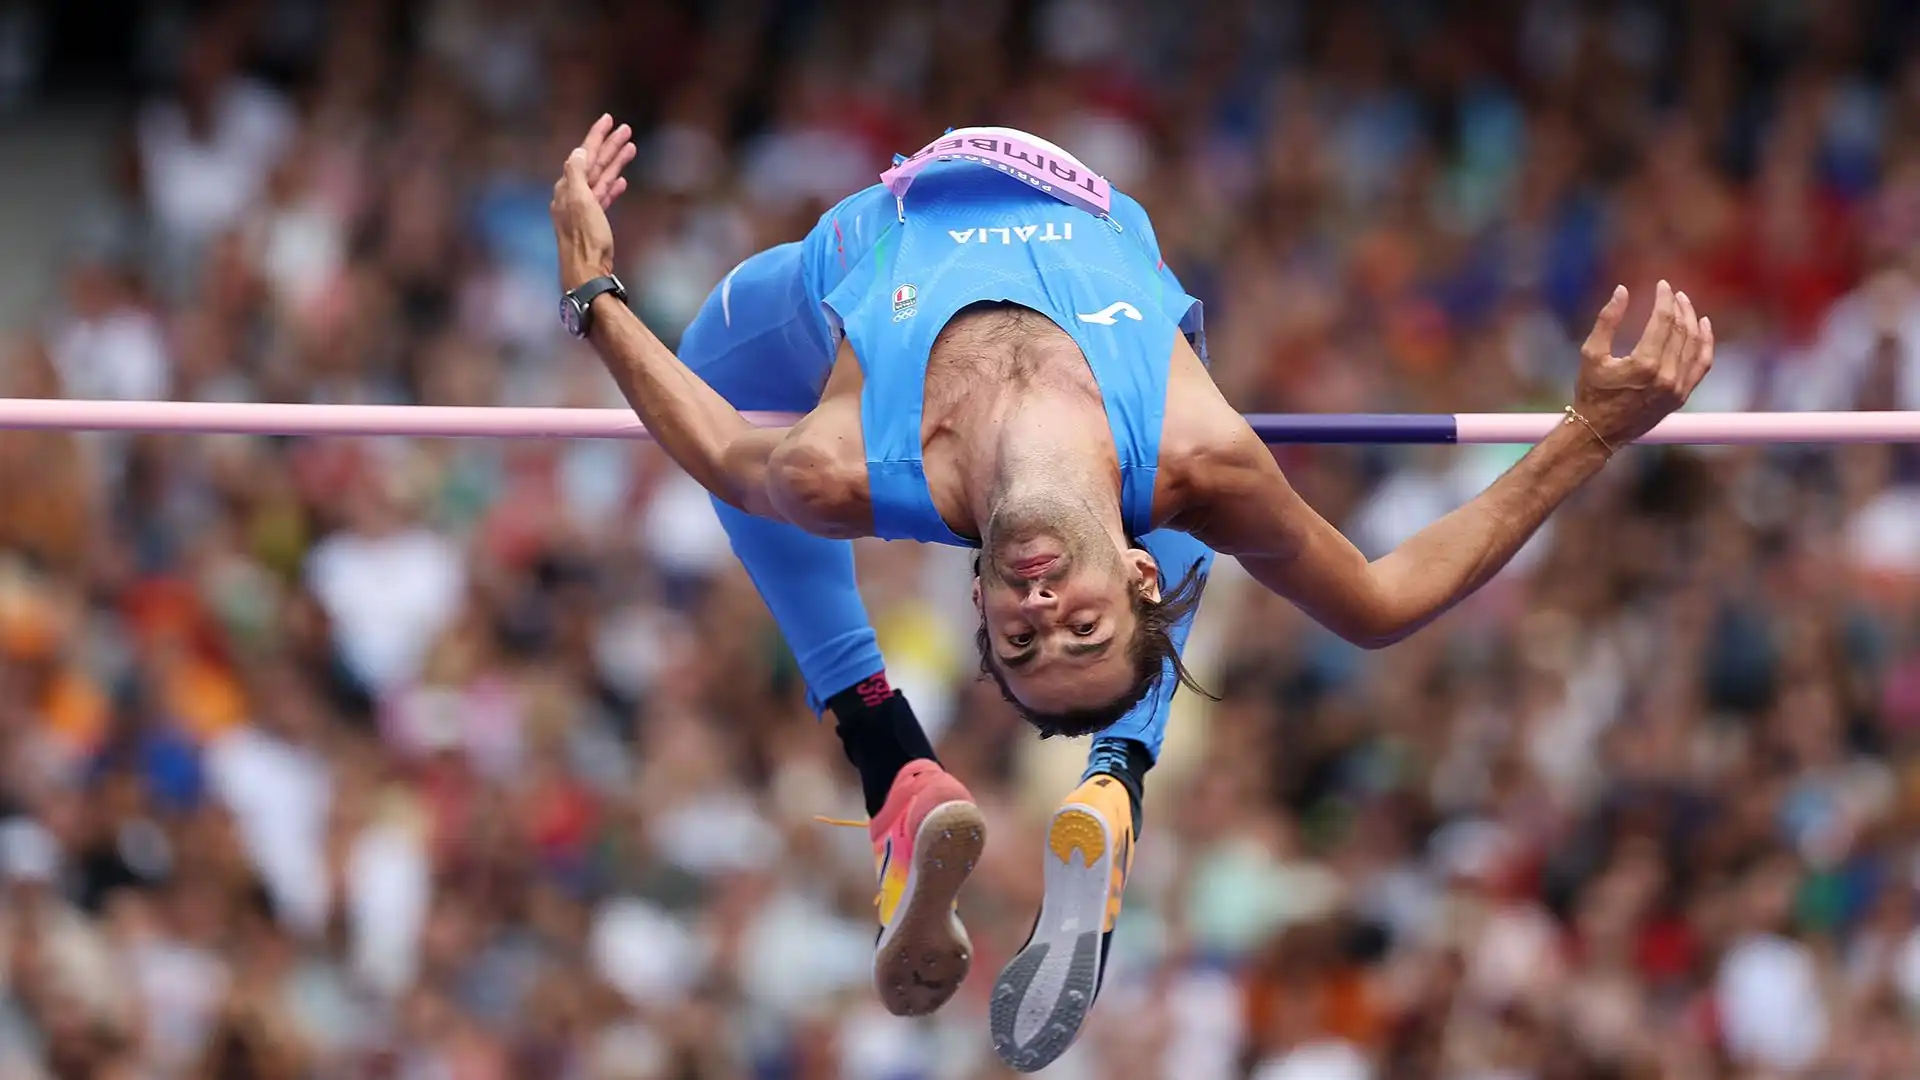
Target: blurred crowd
437, 760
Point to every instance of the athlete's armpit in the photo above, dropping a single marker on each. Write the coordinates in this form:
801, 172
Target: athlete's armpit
1219, 483
1243, 506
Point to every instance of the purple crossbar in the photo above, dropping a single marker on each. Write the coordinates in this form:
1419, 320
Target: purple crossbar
524, 423
1353, 427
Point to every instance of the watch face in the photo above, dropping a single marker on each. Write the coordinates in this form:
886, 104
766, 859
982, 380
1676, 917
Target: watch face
570, 315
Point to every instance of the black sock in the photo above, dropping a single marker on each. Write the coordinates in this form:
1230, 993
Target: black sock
880, 735
1127, 761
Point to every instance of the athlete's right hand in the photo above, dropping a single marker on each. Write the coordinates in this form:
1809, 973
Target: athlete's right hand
1623, 397
609, 150
589, 182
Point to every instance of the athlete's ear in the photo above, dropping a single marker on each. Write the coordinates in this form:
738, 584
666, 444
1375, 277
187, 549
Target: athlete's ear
977, 605
1144, 572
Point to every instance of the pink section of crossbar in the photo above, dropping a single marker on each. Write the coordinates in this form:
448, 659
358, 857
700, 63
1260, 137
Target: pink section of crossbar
528, 423
263, 419
1712, 428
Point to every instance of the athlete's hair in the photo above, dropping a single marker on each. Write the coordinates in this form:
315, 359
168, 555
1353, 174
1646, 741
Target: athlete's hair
1152, 651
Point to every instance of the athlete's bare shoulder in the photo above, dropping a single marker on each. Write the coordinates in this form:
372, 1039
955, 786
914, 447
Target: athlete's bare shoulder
817, 476
1207, 450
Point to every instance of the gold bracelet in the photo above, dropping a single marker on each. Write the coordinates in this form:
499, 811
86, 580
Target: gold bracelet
1573, 416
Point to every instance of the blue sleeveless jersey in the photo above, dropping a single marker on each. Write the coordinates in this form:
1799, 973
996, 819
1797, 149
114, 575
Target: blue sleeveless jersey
971, 234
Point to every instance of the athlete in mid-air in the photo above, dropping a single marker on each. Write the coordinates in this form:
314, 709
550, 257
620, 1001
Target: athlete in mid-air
987, 350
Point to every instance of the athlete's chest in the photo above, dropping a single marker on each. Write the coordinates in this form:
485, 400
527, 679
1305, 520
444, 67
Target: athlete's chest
981, 299
994, 354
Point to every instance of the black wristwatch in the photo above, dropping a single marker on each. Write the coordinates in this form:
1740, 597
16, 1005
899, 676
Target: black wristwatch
576, 306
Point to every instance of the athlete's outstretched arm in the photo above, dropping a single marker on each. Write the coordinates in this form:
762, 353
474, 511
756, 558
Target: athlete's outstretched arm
1247, 508
698, 428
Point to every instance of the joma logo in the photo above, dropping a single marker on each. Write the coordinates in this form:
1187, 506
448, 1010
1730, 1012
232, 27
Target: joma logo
1007, 234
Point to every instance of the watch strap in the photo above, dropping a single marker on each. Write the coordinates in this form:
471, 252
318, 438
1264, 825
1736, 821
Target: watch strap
584, 294
588, 291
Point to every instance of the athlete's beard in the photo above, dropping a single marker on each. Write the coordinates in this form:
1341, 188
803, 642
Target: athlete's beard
1036, 511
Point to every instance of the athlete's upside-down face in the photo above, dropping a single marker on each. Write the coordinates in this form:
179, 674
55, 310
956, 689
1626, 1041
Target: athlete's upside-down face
1059, 618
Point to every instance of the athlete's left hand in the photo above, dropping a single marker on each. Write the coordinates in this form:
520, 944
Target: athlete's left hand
1623, 397
589, 183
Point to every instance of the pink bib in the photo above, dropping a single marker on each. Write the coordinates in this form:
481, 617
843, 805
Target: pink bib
1061, 177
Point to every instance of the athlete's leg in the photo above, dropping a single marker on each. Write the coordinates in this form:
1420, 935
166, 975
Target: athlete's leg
757, 340
808, 584
1044, 994
762, 343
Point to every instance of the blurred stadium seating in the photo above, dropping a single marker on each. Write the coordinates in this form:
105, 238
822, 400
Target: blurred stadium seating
424, 760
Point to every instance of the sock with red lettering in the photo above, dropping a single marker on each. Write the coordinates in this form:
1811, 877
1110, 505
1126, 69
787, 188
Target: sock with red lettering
879, 733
